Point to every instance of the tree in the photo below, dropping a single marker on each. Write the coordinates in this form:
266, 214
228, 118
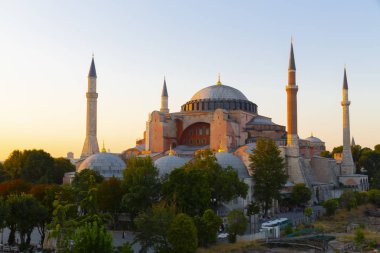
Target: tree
308, 212
300, 194
374, 196
110, 193
35, 166
182, 234
237, 224
26, 214
348, 200
152, 228
269, 175
207, 227
326, 154
61, 166
86, 179
142, 185
45, 195
370, 161
4, 175
224, 184
127, 248
16, 186
331, 206
188, 190
359, 237
92, 237
4, 212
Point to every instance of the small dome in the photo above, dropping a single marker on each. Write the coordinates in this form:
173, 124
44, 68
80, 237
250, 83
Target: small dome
313, 139
219, 92
167, 164
108, 165
227, 159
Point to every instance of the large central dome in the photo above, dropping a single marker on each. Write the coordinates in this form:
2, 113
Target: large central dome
219, 96
219, 92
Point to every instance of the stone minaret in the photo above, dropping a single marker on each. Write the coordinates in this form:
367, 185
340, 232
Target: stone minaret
164, 99
291, 90
347, 165
294, 167
91, 143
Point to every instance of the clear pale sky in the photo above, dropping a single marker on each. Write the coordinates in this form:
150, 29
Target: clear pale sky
46, 47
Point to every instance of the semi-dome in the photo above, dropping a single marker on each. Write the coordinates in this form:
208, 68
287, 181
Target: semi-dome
225, 159
219, 92
108, 165
167, 164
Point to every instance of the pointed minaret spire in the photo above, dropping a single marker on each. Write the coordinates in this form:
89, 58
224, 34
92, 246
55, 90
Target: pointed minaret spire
345, 84
347, 165
164, 98
292, 62
90, 145
353, 142
92, 72
164, 89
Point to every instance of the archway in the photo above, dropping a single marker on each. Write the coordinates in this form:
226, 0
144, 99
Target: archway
197, 134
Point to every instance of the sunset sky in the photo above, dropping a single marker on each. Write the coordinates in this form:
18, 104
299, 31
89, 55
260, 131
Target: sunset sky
46, 48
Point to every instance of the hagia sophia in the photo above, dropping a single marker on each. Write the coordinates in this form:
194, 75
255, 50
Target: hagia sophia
223, 119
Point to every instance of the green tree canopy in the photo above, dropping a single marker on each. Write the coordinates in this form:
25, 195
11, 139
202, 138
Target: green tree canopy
110, 193
152, 228
300, 195
61, 166
27, 213
207, 227
142, 185
269, 175
92, 237
203, 184
188, 190
331, 206
237, 224
182, 234
36, 166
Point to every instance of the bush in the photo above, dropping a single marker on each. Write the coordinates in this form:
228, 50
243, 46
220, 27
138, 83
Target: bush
92, 238
348, 200
374, 196
331, 206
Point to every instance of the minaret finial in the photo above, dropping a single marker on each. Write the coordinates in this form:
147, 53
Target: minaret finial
219, 82
220, 150
104, 148
170, 150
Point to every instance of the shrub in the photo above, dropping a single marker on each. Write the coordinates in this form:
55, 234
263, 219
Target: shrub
331, 206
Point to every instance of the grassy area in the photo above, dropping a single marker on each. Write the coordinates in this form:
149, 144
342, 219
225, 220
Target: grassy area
238, 247
339, 222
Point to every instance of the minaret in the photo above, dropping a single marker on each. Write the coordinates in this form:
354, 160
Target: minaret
91, 143
291, 90
347, 165
164, 99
